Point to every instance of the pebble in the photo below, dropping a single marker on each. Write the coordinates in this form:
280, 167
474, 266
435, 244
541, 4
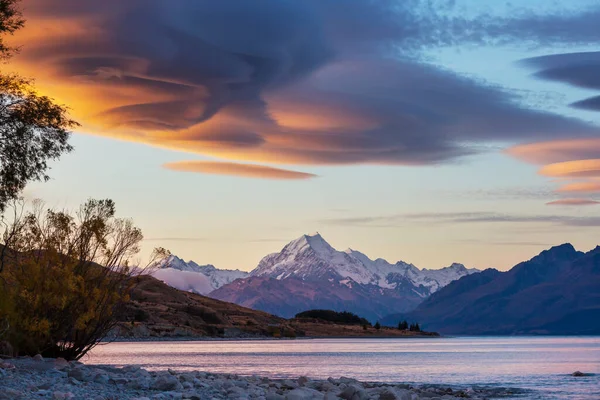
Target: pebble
38, 378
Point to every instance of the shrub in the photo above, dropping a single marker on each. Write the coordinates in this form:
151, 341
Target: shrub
66, 276
343, 317
377, 325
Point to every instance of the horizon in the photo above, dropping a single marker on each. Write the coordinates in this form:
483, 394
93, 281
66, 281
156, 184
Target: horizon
390, 127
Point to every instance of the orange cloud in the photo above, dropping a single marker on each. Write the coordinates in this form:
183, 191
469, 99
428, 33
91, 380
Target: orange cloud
572, 169
573, 202
557, 150
237, 169
580, 187
201, 78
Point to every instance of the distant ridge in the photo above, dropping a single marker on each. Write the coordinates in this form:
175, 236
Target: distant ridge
556, 292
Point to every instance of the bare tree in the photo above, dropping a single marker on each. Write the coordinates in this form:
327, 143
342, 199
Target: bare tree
66, 276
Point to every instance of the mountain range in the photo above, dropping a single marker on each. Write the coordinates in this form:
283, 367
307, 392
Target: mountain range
309, 273
556, 292
192, 277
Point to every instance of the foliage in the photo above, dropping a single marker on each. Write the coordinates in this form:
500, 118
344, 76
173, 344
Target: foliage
10, 21
33, 129
66, 276
343, 317
403, 325
414, 327
377, 325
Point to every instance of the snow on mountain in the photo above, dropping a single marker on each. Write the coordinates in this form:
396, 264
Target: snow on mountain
311, 257
190, 276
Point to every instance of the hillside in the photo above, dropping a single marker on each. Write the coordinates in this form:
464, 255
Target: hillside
157, 310
556, 292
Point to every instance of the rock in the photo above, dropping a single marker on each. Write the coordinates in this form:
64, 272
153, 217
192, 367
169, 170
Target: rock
141, 383
303, 394
10, 394
6, 365
173, 395
119, 381
166, 382
274, 396
101, 378
130, 369
38, 357
187, 378
578, 373
81, 374
354, 392
74, 382
62, 396
289, 384
303, 380
395, 394
60, 363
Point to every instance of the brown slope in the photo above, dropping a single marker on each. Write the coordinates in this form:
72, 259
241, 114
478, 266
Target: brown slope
158, 310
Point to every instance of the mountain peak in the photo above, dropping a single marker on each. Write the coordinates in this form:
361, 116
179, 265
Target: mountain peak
314, 241
565, 252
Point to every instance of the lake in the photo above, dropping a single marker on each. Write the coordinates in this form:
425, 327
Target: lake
539, 365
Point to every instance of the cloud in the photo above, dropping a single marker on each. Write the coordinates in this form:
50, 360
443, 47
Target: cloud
580, 187
576, 69
391, 221
573, 169
276, 81
573, 202
236, 169
557, 151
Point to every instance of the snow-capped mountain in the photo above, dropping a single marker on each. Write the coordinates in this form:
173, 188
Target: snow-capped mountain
311, 257
309, 273
192, 277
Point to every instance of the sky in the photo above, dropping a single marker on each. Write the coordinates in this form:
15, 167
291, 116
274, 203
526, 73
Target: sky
428, 131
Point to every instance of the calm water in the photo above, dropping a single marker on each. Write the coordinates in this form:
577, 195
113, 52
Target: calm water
540, 365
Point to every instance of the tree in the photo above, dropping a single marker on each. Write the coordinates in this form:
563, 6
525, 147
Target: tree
414, 327
11, 20
33, 129
66, 277
403, 325
377, 325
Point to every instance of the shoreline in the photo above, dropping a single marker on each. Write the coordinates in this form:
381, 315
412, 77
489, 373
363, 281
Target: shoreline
253, 338
36, 378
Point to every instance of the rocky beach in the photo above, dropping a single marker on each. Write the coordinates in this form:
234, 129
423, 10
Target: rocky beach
57, 379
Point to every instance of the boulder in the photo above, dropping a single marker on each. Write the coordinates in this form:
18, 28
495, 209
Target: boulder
578, 373
354, 392
38, 357
274, 396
